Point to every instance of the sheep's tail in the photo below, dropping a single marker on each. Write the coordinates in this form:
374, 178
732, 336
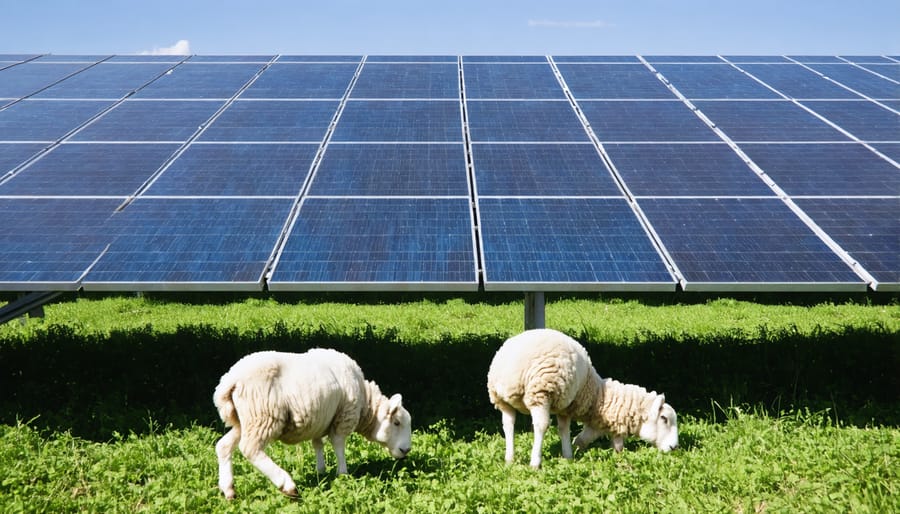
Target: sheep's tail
222, 400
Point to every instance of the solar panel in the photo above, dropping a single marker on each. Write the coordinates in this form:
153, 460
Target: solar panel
569, 173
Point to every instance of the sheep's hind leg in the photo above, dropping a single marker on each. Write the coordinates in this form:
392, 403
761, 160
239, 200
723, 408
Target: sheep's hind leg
320, 454
224, 449
338, 441
564, 424
254, 451
540, 419
509, 427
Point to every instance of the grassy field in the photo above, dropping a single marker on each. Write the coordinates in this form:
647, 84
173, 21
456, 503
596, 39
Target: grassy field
782, 408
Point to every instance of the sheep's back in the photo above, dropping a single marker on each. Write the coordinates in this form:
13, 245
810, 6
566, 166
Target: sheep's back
537, 367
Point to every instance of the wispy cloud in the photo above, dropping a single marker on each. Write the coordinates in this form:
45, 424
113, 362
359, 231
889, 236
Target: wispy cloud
182, 47
569, 24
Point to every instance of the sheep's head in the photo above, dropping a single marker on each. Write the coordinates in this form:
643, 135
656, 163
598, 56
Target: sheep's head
660, 426
394, 427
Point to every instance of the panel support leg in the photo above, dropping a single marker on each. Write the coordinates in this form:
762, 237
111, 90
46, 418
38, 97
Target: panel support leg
534, 310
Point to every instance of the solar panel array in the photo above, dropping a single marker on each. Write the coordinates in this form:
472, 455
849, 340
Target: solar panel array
436, 173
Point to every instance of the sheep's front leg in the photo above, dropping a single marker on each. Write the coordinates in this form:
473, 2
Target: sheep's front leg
224, 449
253, 450
509, 428
540, 419
586, 437
618, 442
564, 422
338, 441
319, 447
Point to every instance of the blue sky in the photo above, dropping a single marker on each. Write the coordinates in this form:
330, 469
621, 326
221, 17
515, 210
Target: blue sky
455, 27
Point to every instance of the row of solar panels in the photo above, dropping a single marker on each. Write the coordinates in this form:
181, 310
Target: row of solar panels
447, 173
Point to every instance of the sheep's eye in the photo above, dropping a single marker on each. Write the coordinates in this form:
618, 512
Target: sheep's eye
665, 419
396, 423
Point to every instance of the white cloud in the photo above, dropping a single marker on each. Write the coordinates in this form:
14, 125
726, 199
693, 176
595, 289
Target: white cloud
182, 47
570, 24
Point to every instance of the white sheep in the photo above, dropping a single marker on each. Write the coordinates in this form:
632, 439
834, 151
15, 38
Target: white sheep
298, 397
543, 372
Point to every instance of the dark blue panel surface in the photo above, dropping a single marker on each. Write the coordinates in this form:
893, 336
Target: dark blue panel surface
866, 228
302, 81
755, 58
191, 80
891, 150
826, 169
46, 120
71, 58
684, 170
319, 58
865, 120
494, 121
424, 243
412, 58
755, 242
563, 242
645, 121
407, 81
503, 58
596, 58
237, 169
866, 83
682, 58
392, 170
541, 170
160, 120
48, 244
270, 120
866, 59
808, 59
90, 170
511, 81
147, 58
796, 81
891, 71
403, 120
28, 78
600, 81
190, 243
14, 154
230, 58
767, 121
713, 81
104, 80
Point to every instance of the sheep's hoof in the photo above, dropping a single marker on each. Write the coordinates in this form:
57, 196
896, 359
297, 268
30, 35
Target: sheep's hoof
229, 493
292, 492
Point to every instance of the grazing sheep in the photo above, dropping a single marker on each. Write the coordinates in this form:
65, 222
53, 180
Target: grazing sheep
544, 372
298, 397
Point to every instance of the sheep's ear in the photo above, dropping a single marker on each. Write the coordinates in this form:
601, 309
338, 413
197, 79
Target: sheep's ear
394, 404
656, 406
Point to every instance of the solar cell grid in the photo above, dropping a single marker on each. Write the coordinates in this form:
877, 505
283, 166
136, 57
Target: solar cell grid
713, 81
511, 81
14, 154
46, 120
412, 81
296, 80
860, 80
630, 121
26, 79
613, 81
796, 81
596, 58
749, 121
157, 120
272, 121
865, 120
198, 80
400, 120
112, 81
519, 121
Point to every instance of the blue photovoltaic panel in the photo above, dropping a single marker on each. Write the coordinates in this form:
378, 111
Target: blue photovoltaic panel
796, 81
412, 58
682, 58
550, 121
48, 244
645, 121
90, 170
750, 244
767, 121
867, 228
755, 58
231, 58
596, 58
865, 120
541, 170
302, 81
14, 154
191, 80
511, 81
190, 244
567, 244
172, 59
111, 81
392, 170
826, 169
319, 58
684, 170
400, 120
866, 83
272, 120
613, 81
71, 58
17, 57
28, 78
808, 59
46, 120
891, 71
412, 80
503, 58
157, 120
866, 59
411, 243
891, 150
237, 169
713, 81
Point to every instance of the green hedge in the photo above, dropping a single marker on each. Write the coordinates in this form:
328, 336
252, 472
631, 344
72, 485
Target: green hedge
98, 384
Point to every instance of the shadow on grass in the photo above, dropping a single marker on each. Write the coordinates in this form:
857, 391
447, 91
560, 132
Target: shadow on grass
96, 386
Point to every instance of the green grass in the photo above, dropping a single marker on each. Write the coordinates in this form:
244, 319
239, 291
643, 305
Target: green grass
748, 462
